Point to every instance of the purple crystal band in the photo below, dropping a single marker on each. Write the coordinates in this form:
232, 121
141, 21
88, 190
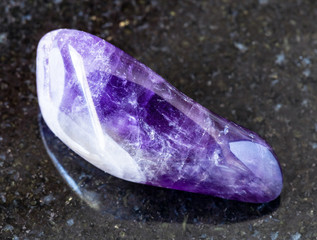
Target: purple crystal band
125, 119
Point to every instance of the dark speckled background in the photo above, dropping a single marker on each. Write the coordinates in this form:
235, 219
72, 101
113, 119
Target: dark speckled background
253, 62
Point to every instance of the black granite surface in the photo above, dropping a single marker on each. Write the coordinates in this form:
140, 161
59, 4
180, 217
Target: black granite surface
253, 62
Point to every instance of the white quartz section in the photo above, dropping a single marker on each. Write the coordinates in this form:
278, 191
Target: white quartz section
81, 129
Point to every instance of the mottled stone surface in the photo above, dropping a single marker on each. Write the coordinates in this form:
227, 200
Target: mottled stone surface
267, 84
128, 121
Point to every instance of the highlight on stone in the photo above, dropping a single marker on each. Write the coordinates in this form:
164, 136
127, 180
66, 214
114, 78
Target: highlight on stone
128, 121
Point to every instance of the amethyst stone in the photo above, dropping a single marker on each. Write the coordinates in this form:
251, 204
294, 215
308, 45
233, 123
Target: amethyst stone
128, 121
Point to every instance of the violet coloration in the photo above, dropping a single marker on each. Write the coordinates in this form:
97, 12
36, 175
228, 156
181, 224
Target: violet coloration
128, 121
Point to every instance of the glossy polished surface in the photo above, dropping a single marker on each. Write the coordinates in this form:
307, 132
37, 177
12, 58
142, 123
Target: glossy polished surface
125, 119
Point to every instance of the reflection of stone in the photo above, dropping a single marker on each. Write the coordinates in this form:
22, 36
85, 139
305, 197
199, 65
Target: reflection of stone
122, 117
54, 150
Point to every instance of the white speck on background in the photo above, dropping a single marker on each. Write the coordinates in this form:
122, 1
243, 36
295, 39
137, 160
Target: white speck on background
277, 107
3, 197
274, 82
241, 47
306, 61
280, 59
47, 199
306, 72
7, 228
70, 222
313, 145
3, 37
296, 236
256, 233
305, 103
274, 236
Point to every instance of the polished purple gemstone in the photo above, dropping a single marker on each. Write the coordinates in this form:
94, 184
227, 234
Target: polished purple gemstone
128, 121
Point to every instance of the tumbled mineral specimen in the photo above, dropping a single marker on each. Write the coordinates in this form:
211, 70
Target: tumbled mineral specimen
128, 121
